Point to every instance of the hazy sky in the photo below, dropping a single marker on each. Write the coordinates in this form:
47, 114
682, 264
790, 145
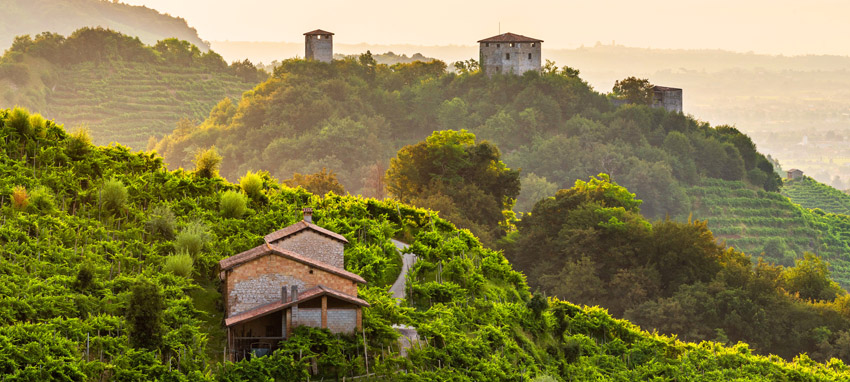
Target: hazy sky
763, 26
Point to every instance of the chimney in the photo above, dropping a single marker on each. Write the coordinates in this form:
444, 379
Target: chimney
308, 215
283, 294
294, 292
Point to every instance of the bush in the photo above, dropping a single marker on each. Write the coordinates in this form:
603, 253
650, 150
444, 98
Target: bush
19, 120
207, 162
233, 204
38, 125
161, 222
85, 277
180, 264
113, 196
78, 143
20, 198
192, 238
252, 185
41, 200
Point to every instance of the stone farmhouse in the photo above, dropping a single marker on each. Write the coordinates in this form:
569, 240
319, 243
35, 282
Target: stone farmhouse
509, 53
296, 277
794, 174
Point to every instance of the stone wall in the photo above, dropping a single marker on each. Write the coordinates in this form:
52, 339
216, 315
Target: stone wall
307, 317
316, 246
669, 99
258, 282
506, 57
342, 320
319, 47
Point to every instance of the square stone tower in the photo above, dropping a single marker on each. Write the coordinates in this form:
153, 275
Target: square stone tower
319, 45
509, 53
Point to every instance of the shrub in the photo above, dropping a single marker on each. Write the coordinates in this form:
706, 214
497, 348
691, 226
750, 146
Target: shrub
192, 238
41, 200
207, 162
252, 185
113, 196
78, 143
161, 222
180, 264
85, 277
19, 120
38, 125
20, 198
233, 204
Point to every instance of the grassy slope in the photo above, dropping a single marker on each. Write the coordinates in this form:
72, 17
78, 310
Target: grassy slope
809, 193
476, 318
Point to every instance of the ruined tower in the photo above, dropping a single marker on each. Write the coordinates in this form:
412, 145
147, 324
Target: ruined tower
319, 45
667, 97
509, 53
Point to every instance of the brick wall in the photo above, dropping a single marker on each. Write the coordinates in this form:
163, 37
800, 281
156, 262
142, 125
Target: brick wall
258, 282
342, 320
316, 246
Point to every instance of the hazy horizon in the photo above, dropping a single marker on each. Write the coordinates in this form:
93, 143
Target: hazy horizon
769, 27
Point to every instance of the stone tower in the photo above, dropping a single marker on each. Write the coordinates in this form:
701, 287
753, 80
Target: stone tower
668, 98
319, 45
509, 53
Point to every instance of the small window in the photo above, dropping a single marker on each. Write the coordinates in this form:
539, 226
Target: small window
513, 45
498, 45
487, 44
319, 37
529, 56
311, 271
533, 44
507, 56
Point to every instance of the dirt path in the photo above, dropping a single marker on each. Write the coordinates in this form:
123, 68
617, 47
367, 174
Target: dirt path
407, 261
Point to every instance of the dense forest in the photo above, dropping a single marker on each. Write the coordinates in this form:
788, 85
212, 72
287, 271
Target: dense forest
352, 115
121, 89
108, 272
32, 17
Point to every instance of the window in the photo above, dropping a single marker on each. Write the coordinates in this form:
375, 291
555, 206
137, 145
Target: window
533, 44
529, 56
487, 44
513, 45
507, 56
319, 37
498, 45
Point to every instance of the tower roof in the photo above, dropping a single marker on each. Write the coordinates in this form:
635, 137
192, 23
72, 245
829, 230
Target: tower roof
510, 37
318, 31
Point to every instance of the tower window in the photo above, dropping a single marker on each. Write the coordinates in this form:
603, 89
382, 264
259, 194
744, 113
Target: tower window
507, 56
533, 44
487, 44
529, 56
498, 45
319, 37
513, 45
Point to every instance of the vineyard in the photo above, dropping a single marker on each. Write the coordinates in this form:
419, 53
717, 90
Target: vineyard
89, 289
129, 102
769, 224
809, 193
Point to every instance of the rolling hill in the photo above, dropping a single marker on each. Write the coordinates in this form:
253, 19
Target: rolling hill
120, 89
86, 228
31, 17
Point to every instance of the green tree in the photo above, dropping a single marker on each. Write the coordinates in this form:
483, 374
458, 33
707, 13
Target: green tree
810, 279
634, 90
319, 183
470, 174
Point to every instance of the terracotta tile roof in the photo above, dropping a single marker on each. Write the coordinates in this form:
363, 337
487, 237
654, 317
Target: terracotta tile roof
266, 249
300, 226
510, 37
307, 295
318, 31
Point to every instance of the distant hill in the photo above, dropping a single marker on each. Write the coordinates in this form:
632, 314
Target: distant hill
812, 194
21, 17
121, 89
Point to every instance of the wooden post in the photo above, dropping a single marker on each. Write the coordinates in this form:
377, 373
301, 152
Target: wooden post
365, 352
324, 312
